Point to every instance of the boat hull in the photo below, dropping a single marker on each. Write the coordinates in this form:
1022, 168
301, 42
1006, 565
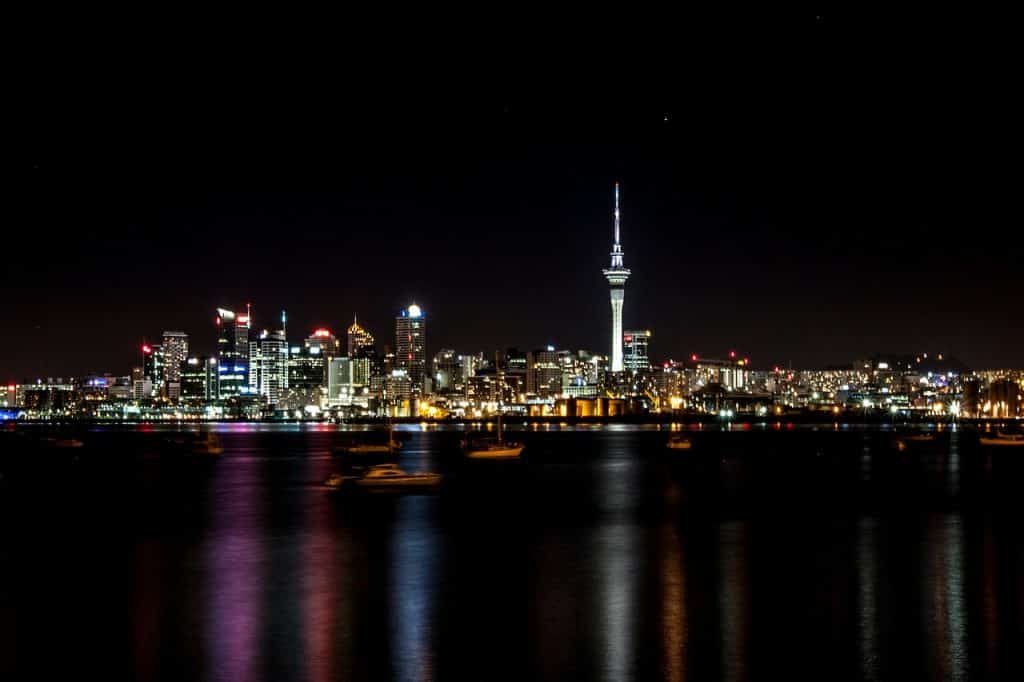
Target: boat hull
417, 482
1002, 442
495, 453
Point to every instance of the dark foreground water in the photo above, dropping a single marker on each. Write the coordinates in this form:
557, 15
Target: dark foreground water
760, 554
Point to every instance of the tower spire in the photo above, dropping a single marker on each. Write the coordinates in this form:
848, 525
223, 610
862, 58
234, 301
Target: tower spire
616, 214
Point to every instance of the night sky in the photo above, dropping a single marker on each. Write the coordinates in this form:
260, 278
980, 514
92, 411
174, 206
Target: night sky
809, 197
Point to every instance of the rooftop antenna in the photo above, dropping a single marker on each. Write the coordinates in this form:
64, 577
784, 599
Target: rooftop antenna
284, 323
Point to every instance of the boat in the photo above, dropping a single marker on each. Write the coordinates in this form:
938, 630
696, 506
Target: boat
390, 477
371, 448
68, 443
1003, 439
209, 445
903, 443
335, 481
488, 448
679, 442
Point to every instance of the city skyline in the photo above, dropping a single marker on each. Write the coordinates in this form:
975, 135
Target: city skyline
807, 210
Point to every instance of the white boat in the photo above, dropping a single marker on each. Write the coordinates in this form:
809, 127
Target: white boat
390, 477
1003, 439
679, 443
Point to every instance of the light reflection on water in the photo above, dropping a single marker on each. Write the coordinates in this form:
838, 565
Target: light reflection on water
413, 589
600, 557
235, 573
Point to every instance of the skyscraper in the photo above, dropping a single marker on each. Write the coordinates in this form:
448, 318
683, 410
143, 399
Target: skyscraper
635, 350
617, 275
358, 338
175, 353
270, 365
410, 346
232, 353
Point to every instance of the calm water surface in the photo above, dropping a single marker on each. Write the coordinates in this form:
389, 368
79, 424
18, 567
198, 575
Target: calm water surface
761, 554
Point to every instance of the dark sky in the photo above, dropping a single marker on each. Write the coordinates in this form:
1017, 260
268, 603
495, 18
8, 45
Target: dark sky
804, 190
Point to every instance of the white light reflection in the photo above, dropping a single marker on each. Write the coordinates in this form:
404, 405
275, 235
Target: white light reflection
615, 557
617, 562
867, 594
413, 589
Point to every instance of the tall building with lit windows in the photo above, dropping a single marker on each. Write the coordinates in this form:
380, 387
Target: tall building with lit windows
411, 346
232, 353
358, 339
175, 351
635, 344
270, 365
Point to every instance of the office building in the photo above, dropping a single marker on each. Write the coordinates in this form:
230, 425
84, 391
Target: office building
635, 345
358, 339
410, 347
232, 353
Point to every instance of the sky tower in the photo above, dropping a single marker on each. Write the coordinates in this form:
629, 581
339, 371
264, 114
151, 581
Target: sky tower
617, 275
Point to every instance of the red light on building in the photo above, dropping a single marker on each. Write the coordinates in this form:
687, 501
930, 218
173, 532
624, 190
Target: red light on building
146, 349
12, 387
732, 354
628, 339
693, 357
243, 319
322, 333
216, 321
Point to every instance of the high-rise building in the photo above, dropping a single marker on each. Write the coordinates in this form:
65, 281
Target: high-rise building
153, 368
635, 345
617, 275
410, 346
270, 365
325, 343
358, 339
175, 351
232, 353
544, 373
447, 372
199, 379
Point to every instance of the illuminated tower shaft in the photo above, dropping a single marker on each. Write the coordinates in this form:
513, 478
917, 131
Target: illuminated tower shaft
617, 275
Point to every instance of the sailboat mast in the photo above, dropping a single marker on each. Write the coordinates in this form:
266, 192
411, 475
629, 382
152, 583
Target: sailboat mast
501, 380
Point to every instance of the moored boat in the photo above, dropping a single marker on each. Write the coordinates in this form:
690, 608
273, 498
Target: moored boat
1001, 439
679, 442
390, 477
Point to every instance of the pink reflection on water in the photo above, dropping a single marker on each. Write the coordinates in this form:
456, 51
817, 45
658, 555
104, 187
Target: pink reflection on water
235, 563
